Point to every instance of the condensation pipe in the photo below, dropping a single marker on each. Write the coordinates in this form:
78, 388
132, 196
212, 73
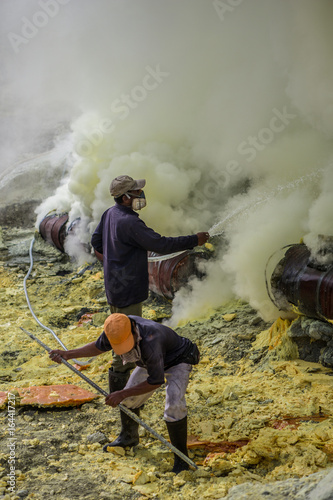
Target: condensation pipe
169, 273
53, 229
301, 284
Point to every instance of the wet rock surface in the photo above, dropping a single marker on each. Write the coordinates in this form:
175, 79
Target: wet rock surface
251, 386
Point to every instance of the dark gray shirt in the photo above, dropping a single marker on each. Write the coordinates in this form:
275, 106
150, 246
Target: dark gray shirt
161, 347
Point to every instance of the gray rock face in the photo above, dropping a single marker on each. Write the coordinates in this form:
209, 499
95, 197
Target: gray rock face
318, 486
30, 181
324, 489
314, 339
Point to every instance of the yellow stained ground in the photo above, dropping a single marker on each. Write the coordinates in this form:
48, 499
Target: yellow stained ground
248, 405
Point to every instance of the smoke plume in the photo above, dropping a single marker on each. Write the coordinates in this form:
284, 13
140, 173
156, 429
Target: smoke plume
225, 107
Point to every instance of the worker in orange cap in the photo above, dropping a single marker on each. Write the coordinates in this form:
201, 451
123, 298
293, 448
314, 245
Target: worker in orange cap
160, 356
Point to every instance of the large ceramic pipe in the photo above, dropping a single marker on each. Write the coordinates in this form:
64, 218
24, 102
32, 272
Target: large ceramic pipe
53, 230
167, 276
302, 283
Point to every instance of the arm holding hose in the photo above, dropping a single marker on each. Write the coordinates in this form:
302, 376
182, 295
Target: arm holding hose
202, 238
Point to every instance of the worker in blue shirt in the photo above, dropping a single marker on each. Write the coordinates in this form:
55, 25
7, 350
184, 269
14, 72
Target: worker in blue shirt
122, 241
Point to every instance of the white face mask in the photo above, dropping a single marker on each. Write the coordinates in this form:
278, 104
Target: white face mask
139, 201
132, 356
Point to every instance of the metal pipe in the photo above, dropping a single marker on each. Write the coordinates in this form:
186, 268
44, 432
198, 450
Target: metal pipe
302, 284
121, 406
53, 229
168, 273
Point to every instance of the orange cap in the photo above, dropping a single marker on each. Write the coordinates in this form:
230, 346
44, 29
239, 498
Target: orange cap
117, 328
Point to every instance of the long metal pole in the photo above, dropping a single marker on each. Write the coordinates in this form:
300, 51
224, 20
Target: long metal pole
121, 406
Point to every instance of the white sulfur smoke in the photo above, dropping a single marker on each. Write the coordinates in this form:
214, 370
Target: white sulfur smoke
320, 223
225, 107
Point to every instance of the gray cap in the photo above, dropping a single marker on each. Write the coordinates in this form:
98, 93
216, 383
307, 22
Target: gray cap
123, 183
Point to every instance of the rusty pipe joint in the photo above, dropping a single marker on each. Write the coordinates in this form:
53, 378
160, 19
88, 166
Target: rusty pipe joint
168, 275
301, 283
54, 229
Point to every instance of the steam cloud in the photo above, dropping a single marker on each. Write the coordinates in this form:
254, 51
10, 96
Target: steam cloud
224, 107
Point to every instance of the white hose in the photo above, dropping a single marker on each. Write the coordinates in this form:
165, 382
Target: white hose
165, 257
31, 310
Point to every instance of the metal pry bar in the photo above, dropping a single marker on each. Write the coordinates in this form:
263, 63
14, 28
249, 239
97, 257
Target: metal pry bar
123, 408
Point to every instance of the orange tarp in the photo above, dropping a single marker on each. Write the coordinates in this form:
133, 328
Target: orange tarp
55, 395
294, 422
51, 395
3, 399
220, 446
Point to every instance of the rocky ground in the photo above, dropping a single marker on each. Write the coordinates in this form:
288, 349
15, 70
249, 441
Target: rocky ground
263, 415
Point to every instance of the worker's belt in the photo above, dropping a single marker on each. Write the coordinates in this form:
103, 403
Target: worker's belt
191, 355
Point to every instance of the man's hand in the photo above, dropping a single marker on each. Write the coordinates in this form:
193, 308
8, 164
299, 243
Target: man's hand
57, 354
202, 238
99, 255
115, 398
86, 351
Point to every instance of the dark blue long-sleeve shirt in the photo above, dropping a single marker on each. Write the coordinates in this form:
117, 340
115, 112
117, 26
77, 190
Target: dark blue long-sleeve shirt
124, 240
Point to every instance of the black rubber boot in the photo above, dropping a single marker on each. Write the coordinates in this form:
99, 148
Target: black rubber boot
129, 434
178, 437
117, 380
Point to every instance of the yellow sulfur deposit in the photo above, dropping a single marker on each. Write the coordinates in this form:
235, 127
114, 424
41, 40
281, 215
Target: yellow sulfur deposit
251, 418
276, 338
229, 317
